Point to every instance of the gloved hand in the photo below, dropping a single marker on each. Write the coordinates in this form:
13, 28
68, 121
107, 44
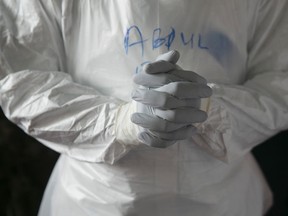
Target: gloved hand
168, 101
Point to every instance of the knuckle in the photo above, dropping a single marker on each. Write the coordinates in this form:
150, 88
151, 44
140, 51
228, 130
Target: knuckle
162, 101
165, 126
145, 94
172, 115
175, 88
165, 101
166, 79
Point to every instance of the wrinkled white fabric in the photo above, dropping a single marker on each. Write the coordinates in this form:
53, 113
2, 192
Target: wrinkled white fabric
66, 71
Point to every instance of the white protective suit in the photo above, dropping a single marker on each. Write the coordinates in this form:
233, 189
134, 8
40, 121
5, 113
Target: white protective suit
66, 69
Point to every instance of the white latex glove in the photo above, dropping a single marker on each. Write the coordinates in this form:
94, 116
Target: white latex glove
169, 101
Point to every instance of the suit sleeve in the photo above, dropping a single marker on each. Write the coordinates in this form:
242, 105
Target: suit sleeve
243, 116
38, 95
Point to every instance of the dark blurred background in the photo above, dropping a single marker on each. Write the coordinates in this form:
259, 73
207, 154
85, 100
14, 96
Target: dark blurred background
25, 166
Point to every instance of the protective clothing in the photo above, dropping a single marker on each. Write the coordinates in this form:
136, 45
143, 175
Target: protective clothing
167, 110
66, 77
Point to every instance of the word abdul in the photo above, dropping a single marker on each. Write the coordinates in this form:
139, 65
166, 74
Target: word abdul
134, 37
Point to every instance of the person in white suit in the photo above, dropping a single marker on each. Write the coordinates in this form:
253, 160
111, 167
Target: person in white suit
143, 129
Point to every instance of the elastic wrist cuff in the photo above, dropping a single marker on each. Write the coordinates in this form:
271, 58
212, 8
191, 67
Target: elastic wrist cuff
126, 131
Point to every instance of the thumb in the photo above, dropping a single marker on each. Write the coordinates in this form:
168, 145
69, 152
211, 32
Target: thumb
171, 56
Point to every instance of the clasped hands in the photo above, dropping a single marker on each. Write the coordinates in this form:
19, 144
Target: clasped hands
168, 101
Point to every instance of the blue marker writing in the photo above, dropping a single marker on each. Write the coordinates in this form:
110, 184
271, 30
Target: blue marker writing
200, 44
191, 41
158, 41
127, 43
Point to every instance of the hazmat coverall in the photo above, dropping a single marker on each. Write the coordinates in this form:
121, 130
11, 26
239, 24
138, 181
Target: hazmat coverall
66, 69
